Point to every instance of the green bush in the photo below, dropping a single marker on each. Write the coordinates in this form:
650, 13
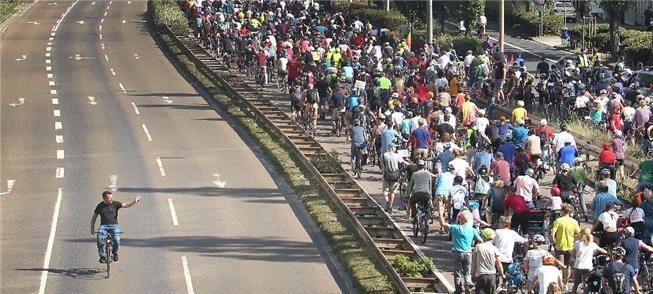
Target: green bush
379, 18
528, 23
167, 12
413, 269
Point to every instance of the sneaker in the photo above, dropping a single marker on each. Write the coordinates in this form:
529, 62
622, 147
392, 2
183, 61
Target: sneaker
103, 259
115, 256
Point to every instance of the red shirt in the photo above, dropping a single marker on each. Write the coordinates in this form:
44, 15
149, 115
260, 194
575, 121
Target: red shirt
547, 131
614, 118
422, 92
293, 68
501, 168
607, 157
516, 203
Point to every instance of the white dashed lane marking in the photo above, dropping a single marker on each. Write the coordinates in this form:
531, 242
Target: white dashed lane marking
57, 112
58, 125
60, 154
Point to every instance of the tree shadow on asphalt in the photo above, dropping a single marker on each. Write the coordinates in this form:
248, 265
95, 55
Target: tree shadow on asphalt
269, 248
252, 195
169, 95
178, 106
75, 273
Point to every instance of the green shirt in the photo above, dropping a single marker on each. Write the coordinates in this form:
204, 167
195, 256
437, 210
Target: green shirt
578, 173
646, 171
384, 83
565, 229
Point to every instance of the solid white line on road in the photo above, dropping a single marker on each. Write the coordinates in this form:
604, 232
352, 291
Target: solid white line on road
173, 213
50, 76
51, 83
113, 72
63, 16
160, 164
106, 57
102, 46
47, 54
60, 154
59, 139
48, 48
122, 88
59, 173
57, 112
100, 28
53, 92
48, 68
58, 125
55, 101
147, 133
48, 250
189, 282
48, 61
136, 108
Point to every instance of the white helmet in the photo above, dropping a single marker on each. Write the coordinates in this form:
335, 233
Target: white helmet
543, 122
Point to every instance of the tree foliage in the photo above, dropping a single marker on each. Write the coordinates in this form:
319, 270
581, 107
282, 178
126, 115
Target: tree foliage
467, 11
615, 10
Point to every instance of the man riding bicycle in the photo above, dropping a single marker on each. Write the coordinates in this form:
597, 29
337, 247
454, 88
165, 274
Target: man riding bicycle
420, 184
108, 212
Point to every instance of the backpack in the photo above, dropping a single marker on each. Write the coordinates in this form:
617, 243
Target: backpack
311, 96
297, 95
388, 175
619, 279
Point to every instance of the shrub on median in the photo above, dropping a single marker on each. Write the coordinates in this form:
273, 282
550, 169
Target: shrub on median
168, 13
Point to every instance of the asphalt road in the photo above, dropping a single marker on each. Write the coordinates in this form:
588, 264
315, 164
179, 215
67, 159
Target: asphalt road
101, 100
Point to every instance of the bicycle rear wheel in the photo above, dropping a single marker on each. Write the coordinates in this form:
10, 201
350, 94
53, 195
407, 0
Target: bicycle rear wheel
424, 224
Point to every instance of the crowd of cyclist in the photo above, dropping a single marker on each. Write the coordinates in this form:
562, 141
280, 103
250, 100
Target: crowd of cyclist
411, 110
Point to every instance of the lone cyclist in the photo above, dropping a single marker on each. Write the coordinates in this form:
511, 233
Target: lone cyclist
108, 212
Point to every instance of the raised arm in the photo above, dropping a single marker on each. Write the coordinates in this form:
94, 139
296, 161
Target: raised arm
131, 203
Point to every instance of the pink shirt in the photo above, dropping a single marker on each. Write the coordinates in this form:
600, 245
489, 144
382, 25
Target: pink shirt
501, 168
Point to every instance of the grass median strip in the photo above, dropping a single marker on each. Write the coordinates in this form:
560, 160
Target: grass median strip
351, 250
7, 8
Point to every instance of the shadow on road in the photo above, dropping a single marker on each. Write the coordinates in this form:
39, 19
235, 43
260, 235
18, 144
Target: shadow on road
270, 248
75, 273
171, 95
178, 106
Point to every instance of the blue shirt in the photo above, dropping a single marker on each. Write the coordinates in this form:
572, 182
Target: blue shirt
444, 157
508, 151
443, 183
601, 200
519, 135
503, 130
388, 136
462, 237
482, 158
353, 103
422, 138
568, 155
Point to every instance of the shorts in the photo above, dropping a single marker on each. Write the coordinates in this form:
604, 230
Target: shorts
498, 85
564, 256
421, 152
390, 187
440, 199
521, 221
620, 162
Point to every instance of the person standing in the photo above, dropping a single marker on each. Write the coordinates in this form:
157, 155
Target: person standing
563, 232
486, 264
391, 173
619, 276
547, 274
462, 237
583, 252
505, 241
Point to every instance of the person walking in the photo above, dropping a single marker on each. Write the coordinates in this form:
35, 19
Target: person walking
486, 264
462, 237
583, 253
563, 232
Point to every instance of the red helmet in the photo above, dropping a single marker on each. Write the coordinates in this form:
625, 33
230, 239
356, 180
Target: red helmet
555, 191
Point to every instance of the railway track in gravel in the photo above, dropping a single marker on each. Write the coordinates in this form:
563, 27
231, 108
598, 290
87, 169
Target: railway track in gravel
369, 220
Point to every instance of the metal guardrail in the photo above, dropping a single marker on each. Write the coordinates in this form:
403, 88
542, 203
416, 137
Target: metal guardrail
368, 219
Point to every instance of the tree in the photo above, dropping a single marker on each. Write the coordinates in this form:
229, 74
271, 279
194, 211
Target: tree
467, 11
615, 10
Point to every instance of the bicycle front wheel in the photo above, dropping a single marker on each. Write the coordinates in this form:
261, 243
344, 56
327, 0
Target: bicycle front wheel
107, 253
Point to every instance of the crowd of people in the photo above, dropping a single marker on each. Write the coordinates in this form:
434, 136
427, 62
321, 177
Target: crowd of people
412, 109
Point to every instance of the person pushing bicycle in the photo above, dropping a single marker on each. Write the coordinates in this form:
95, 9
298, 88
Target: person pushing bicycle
108, 212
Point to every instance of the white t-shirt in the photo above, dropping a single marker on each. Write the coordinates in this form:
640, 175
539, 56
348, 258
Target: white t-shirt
609, 220
505, 240
560, 139
546, 275
584, 254
581, 101
535, 258
482, 20
459, 167
634, 216
524, 187
482, 123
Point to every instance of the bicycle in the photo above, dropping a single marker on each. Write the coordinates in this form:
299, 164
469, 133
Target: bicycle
282, 82
108, 248
260, 76
421, 222
358, 163
515, 280
644, 277
340, 121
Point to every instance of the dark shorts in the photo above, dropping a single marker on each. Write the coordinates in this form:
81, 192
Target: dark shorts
520, 223
564, 256
485, 284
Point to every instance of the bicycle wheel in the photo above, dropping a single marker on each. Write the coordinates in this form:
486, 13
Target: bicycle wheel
424, 224
107, 253
359, 164
415, 228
